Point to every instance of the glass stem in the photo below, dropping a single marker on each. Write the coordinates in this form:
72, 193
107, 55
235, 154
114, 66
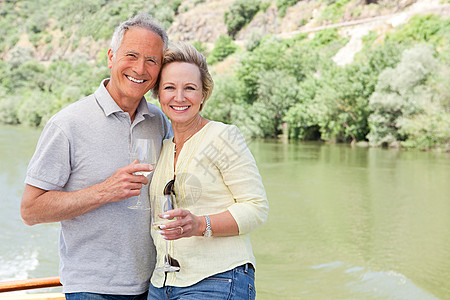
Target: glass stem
167, 253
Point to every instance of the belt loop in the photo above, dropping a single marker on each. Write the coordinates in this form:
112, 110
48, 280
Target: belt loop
246, 268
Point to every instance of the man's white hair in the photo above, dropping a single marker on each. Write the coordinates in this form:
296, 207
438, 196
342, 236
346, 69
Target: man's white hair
141, 20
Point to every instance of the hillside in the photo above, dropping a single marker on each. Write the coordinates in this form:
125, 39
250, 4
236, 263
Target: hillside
361, 71
205, 22
84, 27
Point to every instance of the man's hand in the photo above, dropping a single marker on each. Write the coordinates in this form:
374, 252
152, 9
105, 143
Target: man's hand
41, 206
124, 184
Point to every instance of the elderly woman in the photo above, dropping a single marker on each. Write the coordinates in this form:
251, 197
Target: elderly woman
219, 193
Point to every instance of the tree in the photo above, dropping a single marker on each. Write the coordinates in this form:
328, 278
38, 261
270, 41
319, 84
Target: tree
305, 116
8, 108
269, 55
240, 14
282, 6
277, 92
223, 47
224, 98
400, 94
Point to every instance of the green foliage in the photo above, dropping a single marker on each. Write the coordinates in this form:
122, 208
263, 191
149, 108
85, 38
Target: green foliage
325, 37
267, 56
175, 5
265, 4
334, 10
253, 41
225, 105
223, 47
304, 117
274, 100
8, 108
430, 29
241, 12
333, 102
262, 118
283, 5
401, 93
396, 90
307, 56
76, 19
33, 108
19, 55
37, 23
224, 99
30, 74
165, 15
201, 47
381, 57
439, 82
342, 97
430, 129
5, 79
33, 92
286, 65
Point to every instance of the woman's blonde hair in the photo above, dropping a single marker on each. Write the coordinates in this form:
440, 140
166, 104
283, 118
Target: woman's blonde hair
184, 52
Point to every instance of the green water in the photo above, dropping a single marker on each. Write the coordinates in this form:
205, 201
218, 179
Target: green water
353, 223
344, 223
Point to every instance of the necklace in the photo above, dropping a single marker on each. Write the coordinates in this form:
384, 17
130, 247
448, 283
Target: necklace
197, 128
175, 150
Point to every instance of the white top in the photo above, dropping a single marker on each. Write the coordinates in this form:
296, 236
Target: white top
215, 172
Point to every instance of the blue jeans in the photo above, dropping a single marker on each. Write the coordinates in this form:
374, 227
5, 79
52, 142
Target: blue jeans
235, 284
93, 296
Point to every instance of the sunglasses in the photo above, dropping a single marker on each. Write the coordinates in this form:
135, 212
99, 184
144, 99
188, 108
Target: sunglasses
173, 262
169, 188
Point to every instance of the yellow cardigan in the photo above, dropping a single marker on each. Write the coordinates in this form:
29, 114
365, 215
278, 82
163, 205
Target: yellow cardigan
215, 172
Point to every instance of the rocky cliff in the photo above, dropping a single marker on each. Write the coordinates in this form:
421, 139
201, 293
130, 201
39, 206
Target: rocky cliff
205, 21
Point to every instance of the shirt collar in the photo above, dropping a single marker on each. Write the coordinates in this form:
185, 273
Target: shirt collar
110, 106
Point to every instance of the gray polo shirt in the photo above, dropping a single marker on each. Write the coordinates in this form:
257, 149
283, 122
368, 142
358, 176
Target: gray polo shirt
107, 250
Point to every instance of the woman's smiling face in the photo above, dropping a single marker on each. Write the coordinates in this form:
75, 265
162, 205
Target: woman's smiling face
180, 91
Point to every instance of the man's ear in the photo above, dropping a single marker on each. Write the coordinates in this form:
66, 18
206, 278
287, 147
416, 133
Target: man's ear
110, 58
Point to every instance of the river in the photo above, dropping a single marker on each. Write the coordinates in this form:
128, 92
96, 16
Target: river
344, 223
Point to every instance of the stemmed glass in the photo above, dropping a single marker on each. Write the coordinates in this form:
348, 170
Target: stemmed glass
143, 150
161, 205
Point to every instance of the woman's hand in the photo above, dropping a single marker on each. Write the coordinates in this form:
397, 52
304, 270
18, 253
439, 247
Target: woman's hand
188, 224
185, 225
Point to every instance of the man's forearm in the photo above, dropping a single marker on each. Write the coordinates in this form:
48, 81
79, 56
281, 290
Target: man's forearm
40, 206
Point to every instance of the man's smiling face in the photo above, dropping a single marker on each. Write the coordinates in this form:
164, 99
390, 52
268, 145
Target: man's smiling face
135, 66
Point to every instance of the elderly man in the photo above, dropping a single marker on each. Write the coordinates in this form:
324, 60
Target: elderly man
80, 174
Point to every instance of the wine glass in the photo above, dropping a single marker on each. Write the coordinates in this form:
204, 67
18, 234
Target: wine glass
143, 150
161, 205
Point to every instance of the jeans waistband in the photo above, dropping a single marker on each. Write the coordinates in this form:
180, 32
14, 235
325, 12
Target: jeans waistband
247, 266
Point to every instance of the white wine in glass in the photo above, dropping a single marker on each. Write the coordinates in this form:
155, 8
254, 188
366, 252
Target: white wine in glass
160, 205
144, 151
